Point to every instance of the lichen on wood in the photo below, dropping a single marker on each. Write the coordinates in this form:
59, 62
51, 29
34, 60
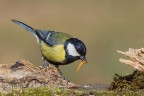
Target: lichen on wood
24, 74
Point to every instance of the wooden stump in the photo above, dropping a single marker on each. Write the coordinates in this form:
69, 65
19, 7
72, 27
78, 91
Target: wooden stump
136, 57
23, 74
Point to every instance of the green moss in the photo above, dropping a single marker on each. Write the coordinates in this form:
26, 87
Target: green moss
43, 91
133, 81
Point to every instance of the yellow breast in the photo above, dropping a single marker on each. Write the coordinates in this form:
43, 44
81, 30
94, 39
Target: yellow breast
53, 53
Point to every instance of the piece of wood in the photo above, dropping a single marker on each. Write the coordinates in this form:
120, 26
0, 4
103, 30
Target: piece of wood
23, 74
136, 57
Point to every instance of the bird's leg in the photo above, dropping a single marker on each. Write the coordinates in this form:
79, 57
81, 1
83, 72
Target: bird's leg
46, 64
60, 73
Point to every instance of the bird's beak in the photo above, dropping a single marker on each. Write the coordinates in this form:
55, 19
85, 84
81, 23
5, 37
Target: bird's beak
84, 61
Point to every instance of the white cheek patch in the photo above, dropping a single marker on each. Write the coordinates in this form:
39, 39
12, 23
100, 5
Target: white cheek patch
71, 50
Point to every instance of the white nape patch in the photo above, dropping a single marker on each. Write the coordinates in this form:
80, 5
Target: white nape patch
71, 50
36, 38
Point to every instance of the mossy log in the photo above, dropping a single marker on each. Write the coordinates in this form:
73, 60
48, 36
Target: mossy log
136, 58
23, 74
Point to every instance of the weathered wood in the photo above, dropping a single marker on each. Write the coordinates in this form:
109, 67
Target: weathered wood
23, 74
136, 57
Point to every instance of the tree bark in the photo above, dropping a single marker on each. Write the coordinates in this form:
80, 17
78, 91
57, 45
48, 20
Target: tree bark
23, 74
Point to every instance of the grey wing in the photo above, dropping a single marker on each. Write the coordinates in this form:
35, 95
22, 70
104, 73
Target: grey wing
44, 35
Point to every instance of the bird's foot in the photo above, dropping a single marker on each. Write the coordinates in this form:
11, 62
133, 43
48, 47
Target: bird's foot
67, 80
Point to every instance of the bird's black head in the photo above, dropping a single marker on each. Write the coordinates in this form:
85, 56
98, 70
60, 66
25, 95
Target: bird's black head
75, 49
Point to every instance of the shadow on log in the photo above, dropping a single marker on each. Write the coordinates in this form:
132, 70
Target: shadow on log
23, 74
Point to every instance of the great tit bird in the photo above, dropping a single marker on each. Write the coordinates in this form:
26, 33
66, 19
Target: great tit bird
58, 48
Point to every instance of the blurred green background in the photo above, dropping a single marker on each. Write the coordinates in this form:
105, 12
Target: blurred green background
103, 25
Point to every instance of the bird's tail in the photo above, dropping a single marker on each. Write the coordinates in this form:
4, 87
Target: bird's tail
25, 26
28, 28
